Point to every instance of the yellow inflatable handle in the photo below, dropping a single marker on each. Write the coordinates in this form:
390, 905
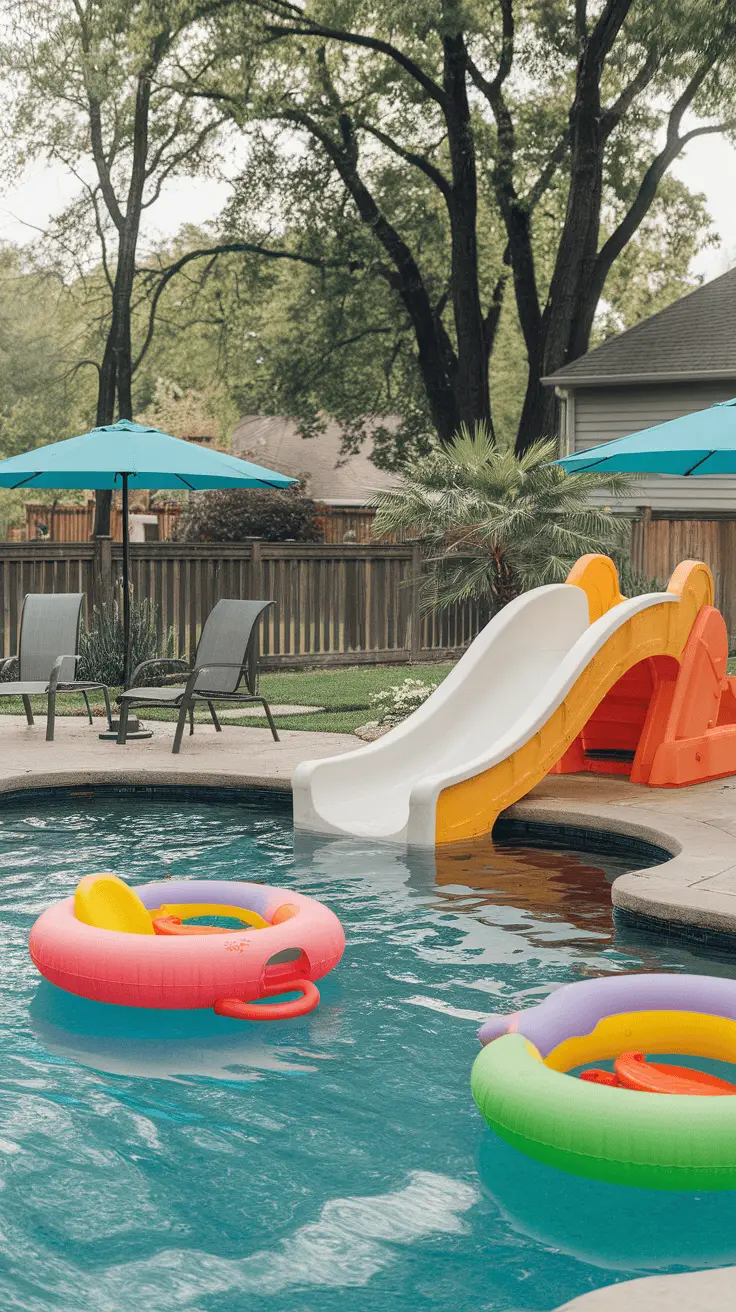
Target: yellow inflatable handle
108, 903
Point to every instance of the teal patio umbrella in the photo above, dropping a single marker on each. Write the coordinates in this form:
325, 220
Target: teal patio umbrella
691, 446
132, 457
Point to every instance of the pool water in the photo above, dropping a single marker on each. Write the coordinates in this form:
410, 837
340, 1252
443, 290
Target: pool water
168, 1160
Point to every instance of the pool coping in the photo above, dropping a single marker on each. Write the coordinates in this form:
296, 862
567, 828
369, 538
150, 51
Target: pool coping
692, 894
689, 1291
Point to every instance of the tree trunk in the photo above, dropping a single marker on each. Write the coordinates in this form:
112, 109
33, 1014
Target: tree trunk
105, 415
472, 397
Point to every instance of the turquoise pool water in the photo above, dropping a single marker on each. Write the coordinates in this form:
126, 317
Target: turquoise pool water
179, 1161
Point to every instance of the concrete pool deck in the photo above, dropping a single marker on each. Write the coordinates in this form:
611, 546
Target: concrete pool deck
694, 1291
693, 893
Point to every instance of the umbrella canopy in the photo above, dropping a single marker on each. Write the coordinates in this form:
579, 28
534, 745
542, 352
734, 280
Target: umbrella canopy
127, 455
693, 445
150, 458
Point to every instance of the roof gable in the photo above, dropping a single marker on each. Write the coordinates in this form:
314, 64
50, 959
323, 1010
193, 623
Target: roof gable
275, 441
694, 338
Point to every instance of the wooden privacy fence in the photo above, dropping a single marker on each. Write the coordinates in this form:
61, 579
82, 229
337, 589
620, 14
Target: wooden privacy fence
334, 604
660, 541
52, 523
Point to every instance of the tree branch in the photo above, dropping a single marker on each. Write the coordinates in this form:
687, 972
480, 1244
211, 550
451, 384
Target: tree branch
535, 194
426, 166
612, 116
225, 248
647, 192
415, 71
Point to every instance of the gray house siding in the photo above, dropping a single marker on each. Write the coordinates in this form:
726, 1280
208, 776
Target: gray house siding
592, 415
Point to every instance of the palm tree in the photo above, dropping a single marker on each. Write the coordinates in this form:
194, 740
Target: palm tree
495, 523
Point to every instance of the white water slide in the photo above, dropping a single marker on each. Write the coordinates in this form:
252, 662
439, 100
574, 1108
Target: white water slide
509, 682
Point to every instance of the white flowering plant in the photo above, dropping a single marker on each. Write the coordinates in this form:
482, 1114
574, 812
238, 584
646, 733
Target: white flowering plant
394, 704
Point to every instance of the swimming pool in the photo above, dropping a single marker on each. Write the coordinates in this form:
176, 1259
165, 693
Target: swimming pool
162, 1161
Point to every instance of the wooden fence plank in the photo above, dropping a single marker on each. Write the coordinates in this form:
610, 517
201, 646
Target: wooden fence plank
335, 603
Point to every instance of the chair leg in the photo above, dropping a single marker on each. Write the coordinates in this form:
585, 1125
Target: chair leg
123, 723
215, 720
191, 720
108, 708
50, 717
27, 709
184, 711
269, 717
89, 708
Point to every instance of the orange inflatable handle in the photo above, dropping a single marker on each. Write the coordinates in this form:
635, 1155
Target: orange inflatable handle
600, 1077
635, 1072
168, 926
301, 1006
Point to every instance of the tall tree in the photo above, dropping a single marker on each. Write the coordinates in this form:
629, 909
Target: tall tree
545, 112
91, 88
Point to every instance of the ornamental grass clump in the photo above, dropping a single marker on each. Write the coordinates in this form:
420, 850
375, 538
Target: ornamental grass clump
102, 649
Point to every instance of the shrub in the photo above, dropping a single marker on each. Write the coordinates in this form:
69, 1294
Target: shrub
102, 651
233, 514
495, 524
394, 704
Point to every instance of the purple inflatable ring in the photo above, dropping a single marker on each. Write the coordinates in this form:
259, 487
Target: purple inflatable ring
575, 1009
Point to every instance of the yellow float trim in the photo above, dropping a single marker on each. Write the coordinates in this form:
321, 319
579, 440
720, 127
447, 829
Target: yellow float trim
471, 808
191, 910
689, 1033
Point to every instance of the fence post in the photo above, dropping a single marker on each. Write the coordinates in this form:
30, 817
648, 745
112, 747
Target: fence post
640, 555
102, 581
415, 612
256, 569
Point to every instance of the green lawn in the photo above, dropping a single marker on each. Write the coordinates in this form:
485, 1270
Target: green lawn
344, 693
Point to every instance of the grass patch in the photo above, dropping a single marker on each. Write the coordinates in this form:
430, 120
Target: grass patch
344, 689
344, 693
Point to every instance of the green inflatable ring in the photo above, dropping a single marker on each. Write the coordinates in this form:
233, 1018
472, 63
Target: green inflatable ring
685, 1143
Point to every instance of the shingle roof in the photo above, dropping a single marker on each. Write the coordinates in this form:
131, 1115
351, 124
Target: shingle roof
275, 442
693, 338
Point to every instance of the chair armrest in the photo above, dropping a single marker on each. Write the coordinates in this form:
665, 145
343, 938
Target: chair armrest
159, 660
56, 671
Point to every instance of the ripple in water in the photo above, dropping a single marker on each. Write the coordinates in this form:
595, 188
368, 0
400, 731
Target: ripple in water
178, 1160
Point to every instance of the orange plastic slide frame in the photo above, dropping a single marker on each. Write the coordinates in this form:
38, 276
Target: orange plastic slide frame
681, 706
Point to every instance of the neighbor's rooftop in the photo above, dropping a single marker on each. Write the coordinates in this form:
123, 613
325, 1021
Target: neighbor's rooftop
694, 339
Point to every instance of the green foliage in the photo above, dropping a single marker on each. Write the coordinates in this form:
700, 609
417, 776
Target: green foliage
232, 514
102, 650
634, 582
494, 523
326, 333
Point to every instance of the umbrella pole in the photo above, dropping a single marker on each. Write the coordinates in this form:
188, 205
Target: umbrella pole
135, 728
126, 587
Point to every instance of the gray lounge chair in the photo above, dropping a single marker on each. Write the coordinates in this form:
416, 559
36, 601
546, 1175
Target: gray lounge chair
225, 670
47, 655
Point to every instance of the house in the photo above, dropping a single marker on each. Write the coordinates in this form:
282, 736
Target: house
678, 361
328, 475
343, 484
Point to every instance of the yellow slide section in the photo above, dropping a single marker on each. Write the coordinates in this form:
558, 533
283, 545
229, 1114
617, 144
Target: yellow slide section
621, 634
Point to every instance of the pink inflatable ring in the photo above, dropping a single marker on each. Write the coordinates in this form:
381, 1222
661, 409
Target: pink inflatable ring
153, 963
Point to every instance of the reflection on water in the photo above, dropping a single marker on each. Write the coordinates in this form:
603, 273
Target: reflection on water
555, 884
607, 1225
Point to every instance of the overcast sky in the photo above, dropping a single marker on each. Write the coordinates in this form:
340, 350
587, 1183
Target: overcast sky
708, 165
